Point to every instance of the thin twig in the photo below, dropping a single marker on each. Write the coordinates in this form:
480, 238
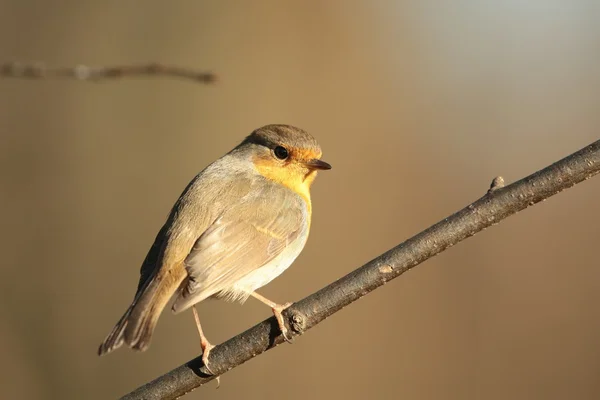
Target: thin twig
498, 203
96, 74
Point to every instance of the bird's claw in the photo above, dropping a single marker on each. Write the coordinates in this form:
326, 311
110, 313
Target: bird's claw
277, 311
206, 348
288, 339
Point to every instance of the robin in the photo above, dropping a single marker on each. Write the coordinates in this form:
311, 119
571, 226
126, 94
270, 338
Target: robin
238, 225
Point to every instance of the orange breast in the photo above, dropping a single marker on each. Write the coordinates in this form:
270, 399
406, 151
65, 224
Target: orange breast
291, 176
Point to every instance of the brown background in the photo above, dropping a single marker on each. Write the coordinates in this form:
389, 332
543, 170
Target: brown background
417, 105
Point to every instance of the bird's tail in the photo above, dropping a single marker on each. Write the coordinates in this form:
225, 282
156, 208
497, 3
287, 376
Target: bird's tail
136, 326
114, 340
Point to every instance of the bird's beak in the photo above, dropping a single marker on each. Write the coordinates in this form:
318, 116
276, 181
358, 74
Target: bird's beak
315, 163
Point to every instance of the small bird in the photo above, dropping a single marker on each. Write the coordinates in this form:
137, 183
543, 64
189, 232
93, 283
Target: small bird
238, 225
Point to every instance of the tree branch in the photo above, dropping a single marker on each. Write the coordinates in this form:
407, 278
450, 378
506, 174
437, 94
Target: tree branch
498, 203
96, 74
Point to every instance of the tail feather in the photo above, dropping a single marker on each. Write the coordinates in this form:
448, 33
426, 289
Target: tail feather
144, 315
114, 340
136, 326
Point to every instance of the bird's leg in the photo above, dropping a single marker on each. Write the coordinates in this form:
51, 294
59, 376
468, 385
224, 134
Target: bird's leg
277, 309
204, 344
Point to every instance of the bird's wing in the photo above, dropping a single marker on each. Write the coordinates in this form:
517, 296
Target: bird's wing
244, 238
191, 215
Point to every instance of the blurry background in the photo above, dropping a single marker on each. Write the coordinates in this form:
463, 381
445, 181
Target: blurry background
417, 105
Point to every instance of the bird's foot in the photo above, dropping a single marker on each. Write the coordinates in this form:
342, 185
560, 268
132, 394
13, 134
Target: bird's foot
277, 311
206, 348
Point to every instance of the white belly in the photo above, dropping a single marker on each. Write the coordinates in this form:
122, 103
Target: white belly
265, 274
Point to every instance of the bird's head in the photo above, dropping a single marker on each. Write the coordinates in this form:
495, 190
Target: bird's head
287, 155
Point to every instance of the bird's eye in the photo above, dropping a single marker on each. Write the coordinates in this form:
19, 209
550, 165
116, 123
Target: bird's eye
281, 152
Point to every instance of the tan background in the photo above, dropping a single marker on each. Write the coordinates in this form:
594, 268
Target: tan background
417, 105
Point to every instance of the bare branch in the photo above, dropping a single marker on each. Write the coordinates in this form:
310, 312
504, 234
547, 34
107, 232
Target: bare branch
497, 204
96, 74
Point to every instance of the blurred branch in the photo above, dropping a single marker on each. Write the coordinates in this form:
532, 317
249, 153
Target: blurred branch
86, 73
498, 203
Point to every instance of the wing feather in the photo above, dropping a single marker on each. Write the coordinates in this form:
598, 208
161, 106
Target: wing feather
244, 238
